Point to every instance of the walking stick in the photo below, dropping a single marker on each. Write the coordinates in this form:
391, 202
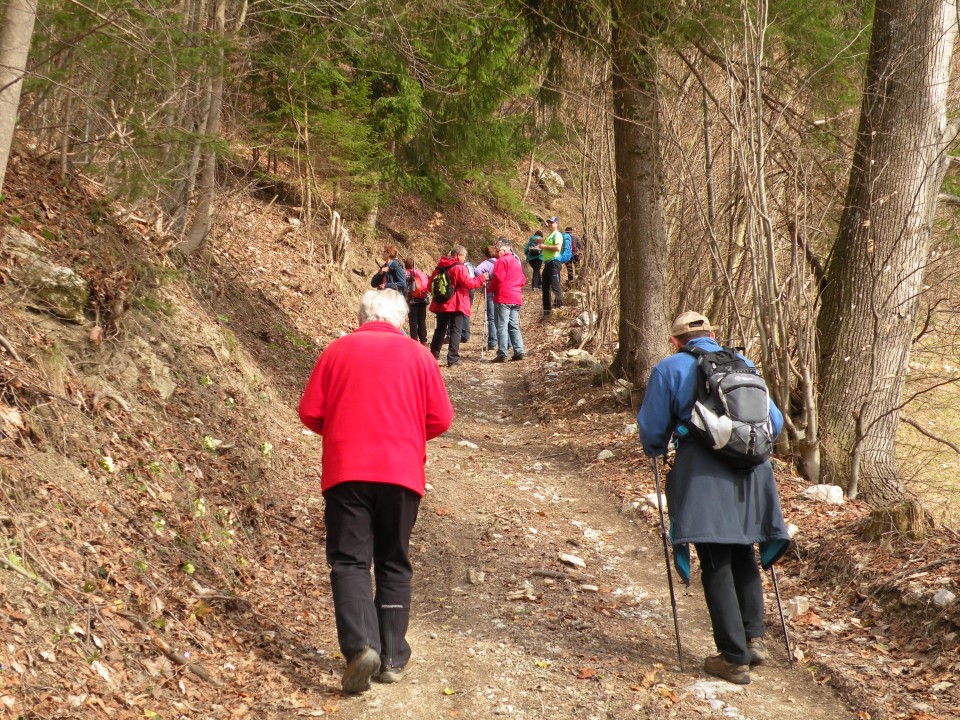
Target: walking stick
783, 622
666, 557
486, 328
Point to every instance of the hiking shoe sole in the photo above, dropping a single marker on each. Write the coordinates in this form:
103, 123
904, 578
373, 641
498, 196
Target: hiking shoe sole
356, 678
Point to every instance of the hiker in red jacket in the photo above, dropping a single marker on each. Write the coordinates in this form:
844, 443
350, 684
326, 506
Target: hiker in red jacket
374, 448
451, 312
506, 286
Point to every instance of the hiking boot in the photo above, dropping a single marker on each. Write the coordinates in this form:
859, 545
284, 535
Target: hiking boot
363, 665
390, 674
719, 666
518, 356
758, 651
500, 358
453, 364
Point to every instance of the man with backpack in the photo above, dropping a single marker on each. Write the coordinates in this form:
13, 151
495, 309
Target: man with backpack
721, 493
418, 296
550, 249
450, 285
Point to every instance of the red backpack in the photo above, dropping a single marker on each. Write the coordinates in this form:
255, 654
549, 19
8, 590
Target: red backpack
419, 284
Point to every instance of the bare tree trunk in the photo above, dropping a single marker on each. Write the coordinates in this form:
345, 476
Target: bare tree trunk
199, 232
875, 276
642, 239
15, 36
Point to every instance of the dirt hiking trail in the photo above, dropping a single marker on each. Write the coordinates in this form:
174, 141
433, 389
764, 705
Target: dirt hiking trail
501, 627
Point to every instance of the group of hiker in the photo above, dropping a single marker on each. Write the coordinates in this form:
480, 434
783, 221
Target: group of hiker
720, 490
546, 255
448, 292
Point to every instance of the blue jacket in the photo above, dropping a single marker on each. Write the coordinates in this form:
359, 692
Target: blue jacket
709, 501
396, 278
671, 394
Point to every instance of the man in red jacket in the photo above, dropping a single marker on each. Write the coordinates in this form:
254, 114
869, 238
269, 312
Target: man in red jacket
376, 397
507, 288
450, 313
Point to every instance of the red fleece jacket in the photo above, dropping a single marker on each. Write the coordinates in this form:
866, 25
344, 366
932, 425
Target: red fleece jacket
376, 397
507, 281
462, 282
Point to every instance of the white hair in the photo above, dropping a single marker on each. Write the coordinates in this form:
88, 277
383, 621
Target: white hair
387, 306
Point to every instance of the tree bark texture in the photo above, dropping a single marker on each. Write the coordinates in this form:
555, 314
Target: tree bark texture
873, 282
16, 32
641, 236
199, 231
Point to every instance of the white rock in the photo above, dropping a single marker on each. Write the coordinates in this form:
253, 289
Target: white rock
605, 455
830, 494
796, 606
468, 444
792, 530
590, 588
630, 429
651, 499
585, 319
943, 598
581, 402
572, 560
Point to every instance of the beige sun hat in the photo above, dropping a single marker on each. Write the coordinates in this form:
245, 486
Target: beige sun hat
689, 321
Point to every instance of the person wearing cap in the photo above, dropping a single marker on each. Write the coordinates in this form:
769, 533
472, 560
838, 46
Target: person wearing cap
722, 510
550, 250
506, 286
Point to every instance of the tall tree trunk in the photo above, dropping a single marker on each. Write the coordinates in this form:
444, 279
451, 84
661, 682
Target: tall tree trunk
199, 232
874, 278
641, 236
15, 36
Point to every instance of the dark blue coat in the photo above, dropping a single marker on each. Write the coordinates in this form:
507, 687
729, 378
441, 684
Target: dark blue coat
708, 499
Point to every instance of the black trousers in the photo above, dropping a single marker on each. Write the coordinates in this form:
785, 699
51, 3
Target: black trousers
551, 284
734, 594
370, 524
452, 321
418, 321
535, 266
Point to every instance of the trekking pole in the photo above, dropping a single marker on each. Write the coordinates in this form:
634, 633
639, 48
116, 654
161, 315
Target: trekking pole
783, 622
666, 557
486, 329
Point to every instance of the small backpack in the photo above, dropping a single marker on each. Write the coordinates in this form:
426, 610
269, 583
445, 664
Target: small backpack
566, 249
442, 287
419, 284
732, 410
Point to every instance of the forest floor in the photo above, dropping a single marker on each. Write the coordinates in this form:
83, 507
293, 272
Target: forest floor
162, 534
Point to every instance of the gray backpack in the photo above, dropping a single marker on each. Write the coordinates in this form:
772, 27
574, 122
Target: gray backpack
732, 411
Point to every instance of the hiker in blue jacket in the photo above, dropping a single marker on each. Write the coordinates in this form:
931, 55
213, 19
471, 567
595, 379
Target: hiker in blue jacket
391, 274
719, 508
